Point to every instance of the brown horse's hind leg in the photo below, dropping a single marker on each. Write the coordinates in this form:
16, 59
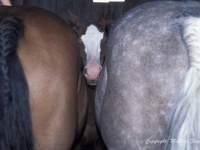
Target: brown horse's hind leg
82, 106
90, 137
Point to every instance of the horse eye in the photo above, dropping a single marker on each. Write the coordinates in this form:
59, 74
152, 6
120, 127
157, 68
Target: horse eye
105, 41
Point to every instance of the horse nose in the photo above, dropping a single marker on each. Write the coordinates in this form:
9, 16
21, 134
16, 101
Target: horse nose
92, 72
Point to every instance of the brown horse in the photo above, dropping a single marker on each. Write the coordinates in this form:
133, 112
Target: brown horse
43, 95
92, 36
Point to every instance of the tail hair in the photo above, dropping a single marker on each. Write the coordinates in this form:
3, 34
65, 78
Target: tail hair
15, 122
185, 119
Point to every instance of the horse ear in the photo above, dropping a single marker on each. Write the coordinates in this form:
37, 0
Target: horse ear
106, 18
77, 23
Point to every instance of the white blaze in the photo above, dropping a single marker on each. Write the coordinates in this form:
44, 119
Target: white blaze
92, 41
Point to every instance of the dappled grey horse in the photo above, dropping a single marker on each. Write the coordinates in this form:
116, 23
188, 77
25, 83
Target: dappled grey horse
148, 92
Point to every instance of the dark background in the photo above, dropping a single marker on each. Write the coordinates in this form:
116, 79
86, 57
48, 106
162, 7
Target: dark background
84, 9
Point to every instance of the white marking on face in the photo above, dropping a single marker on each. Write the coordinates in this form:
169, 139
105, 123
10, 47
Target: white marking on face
92, 41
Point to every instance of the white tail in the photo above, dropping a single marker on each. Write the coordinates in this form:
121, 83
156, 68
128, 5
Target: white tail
185, 119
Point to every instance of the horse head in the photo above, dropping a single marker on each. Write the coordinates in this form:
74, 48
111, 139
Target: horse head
92, 37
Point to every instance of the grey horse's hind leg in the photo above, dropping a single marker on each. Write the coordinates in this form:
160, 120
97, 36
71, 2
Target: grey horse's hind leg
100, 93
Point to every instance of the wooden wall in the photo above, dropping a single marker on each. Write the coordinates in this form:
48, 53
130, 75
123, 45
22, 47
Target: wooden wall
84, 9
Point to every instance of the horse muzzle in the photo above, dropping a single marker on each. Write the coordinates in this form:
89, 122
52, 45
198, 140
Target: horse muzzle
91, 73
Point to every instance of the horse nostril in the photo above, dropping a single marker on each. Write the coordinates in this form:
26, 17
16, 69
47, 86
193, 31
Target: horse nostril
85, 71
100, 67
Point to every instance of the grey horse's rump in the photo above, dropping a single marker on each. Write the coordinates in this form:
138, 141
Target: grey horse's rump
146, 66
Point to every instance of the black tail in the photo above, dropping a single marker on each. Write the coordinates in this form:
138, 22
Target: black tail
15, 120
